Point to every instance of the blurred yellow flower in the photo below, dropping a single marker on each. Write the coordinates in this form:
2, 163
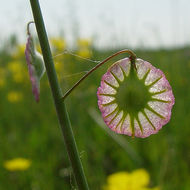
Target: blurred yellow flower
19, 53
14, 96
84, 52
15, 66
84, 42
139, 178
17, 164
84, 48
136, 180
58, 44
17, 70
118, 181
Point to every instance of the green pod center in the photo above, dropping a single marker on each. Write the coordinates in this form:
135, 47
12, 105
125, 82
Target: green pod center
132, 94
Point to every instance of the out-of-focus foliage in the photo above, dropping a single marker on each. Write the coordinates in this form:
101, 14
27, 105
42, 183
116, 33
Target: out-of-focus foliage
30, 130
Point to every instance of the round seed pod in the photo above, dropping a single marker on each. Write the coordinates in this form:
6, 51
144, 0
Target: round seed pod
135, 99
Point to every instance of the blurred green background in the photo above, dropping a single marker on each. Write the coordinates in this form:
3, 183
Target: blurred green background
30, 130
32, 151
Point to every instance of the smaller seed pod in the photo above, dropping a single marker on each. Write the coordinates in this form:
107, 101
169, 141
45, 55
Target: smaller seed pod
36, 67
135, 99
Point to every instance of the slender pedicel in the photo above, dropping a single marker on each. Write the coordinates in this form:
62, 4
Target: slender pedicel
132, 57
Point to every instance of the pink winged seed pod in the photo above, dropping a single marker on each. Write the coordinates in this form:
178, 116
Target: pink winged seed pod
36, 66
136, 102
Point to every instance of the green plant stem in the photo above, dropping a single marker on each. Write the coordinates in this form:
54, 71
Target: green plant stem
132, 58
57, 95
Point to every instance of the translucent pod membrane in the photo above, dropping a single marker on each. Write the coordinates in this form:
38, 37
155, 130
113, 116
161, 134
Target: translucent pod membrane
136, 102
36, 67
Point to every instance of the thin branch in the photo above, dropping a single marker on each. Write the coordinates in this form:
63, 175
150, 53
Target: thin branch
132, 58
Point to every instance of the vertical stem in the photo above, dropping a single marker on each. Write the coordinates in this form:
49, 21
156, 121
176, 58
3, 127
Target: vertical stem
57, 94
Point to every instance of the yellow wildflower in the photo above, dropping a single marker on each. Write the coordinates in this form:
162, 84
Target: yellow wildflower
17, 164
139, 178
84, 42
84, 48
15, 66
14, 96
136, 180
118, 181
58, 44
84, 52
17, 70
19, 53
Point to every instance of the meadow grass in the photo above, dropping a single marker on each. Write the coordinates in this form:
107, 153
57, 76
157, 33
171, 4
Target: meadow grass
30, 130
